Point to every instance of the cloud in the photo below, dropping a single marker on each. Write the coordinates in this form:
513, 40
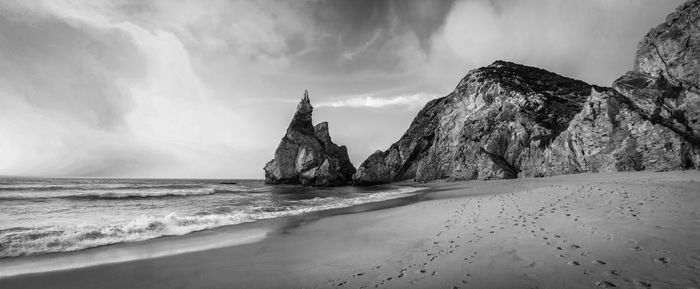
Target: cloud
260, 35
590, 40
349, 55
162, 123
411, 102
188, 89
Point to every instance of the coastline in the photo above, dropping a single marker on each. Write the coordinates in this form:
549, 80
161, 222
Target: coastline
169, 245
477, 234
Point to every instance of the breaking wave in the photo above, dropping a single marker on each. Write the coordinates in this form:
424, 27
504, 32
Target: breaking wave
118, 194
19, 241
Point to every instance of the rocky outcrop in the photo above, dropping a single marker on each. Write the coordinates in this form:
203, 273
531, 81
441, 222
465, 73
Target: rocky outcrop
610, 134
507, 120
650, 119
306, 155
492, 125
665, 84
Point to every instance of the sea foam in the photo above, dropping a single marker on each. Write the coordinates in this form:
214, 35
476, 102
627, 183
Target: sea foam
113, 193
16, 242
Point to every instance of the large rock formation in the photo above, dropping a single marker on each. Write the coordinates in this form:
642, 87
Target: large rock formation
665, 85
306, 155
610, 134
651, 118
507, 120
497, 119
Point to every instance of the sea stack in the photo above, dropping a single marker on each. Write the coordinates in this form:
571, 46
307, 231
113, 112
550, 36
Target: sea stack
307, 156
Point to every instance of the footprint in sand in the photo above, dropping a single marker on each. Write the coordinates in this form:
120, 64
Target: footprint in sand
599, 262
662, 260
605, 284
640, 283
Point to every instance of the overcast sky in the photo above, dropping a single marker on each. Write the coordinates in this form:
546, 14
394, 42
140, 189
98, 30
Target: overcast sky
151, 88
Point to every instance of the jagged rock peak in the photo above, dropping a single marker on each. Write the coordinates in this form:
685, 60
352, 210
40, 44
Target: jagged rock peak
305, 102
302, 117
306, 155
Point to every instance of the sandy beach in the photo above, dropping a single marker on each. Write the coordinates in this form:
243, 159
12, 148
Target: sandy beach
625, 230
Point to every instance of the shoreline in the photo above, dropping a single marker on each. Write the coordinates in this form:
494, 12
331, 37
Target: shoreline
573, 231
170, 245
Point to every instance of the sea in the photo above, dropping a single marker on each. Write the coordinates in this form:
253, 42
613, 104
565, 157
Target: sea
49, 215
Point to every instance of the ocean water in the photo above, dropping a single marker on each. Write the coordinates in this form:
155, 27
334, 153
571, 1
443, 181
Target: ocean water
45, 215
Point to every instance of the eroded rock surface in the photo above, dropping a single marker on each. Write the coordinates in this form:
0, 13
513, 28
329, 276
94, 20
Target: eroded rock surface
507, 120
665, 84
306, 155
497, 119
610, 134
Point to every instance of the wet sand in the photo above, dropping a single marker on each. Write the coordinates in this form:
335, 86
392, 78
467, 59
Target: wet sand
625, 230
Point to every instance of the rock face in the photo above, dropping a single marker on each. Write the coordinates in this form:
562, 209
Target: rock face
497, 119
665, 85
306, 155
507, 120
610, 134
650, 119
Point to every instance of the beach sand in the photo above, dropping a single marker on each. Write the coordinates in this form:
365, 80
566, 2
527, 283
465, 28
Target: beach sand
625, 230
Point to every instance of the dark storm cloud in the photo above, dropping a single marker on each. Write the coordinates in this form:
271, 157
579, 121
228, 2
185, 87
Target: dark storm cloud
365, 35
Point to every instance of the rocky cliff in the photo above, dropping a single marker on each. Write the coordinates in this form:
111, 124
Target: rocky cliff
649, 120
306, 155
492, 125
665, 85
508, 120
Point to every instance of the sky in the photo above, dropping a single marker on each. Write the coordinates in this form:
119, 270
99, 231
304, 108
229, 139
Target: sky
206, 89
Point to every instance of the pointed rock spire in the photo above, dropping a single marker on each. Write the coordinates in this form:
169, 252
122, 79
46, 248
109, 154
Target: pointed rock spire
306, 155
302, 118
